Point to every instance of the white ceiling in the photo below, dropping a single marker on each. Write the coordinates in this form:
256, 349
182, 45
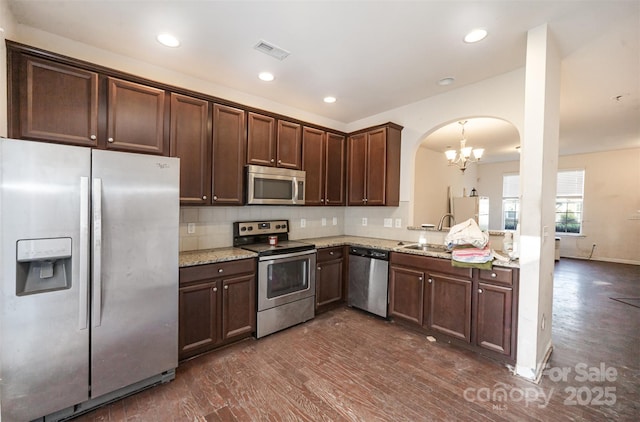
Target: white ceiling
378, 55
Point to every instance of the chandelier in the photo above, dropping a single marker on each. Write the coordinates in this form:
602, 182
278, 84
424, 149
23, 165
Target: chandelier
463, 157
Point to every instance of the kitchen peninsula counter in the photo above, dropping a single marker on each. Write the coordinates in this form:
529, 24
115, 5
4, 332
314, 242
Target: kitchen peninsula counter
389, 245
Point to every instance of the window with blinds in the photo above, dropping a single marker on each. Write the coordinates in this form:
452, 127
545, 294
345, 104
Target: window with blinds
569, 201
510, 201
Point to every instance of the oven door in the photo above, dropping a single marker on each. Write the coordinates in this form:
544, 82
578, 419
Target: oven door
286, 278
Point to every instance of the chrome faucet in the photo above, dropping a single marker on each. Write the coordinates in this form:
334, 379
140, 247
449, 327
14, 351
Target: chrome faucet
452, 221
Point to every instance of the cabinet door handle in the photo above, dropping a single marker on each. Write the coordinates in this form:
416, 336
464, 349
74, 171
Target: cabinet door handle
93, 137
220, 270
226, 287
494, 275
480, 290
430, 280
279, 161
215, 197
319, 268
110, 140
204, 197
321, 199
331, 253
420, 278
272, 160
215, 289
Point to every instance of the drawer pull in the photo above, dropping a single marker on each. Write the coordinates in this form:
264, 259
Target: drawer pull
220, 270
494, 275
331, 253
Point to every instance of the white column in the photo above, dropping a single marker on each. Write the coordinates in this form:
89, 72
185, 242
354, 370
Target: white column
538, 173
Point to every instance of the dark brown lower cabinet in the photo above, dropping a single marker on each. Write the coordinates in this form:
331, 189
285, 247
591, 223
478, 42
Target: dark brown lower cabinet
217, 305
450, 306
406, 294
473, 308
330, 276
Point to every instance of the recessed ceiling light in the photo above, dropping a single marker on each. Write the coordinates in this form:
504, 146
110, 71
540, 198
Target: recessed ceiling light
329, 100
475, 35
266, 76
168, 40
446, 81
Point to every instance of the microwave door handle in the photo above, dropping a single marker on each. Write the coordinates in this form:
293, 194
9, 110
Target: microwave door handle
295, 189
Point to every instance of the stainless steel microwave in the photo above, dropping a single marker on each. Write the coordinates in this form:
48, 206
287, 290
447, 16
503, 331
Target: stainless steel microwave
275, 186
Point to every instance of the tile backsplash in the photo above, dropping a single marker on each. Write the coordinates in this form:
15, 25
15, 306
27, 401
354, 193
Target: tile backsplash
212, 226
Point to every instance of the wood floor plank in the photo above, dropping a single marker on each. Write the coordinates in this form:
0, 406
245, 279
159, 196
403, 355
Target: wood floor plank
347, 365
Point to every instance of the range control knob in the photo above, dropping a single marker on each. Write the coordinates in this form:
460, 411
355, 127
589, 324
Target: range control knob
243, 229
250, 228
277, 226
284, 226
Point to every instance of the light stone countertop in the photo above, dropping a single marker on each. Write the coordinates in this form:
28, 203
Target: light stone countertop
210, 256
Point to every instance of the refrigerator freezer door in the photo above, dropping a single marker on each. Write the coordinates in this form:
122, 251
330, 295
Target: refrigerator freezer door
44, 336
135, 306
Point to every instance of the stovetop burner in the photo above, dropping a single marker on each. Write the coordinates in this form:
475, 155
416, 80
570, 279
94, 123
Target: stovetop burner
254, 236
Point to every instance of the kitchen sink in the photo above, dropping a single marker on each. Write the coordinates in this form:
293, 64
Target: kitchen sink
428, 248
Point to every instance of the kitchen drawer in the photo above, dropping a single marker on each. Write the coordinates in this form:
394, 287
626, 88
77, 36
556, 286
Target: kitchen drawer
329, 254
429, 264
498, 275
219, 269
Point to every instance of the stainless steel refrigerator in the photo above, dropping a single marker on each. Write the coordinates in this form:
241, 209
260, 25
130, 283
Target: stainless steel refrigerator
88, 276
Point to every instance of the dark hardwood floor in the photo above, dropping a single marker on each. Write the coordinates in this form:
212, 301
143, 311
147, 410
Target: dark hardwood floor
346, 365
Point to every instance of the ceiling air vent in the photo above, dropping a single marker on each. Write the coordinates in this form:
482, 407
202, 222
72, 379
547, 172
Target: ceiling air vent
271, 50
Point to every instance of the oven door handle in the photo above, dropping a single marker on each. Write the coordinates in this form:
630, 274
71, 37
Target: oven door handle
287, 255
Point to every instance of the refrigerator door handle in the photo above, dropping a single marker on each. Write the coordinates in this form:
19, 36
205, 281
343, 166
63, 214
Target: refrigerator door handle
97, 251
84, 254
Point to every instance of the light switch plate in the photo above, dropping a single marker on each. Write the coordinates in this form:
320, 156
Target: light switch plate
398, 223
335, 221
364, 221
388, 222
303, 222
191, 228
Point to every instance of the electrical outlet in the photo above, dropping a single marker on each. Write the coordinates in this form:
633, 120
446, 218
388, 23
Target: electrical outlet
324, 221
303, 223
388, 222
191, 228
364, 221
335, 221
398, 223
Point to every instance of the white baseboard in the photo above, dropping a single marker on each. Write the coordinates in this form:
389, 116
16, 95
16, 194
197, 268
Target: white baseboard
615, 260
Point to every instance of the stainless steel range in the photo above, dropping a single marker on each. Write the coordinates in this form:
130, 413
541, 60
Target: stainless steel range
286, 274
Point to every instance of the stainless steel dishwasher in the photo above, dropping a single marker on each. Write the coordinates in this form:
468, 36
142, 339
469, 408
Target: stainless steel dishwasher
368, 280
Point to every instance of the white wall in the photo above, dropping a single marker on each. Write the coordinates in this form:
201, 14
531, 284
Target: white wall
611, 177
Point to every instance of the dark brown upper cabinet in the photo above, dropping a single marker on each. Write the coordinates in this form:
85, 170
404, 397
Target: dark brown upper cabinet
273, 143
52, 102
289, 145
135, 117
373, 170
229, 139
323, 159
190, 141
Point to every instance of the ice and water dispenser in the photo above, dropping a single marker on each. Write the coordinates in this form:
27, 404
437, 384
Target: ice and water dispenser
43, 265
